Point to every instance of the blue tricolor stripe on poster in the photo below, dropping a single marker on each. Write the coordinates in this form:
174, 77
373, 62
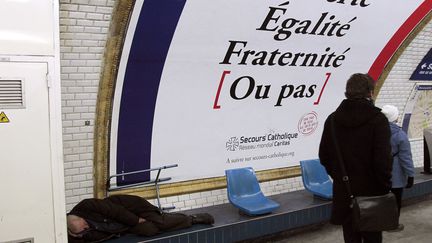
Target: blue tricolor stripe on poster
152, 38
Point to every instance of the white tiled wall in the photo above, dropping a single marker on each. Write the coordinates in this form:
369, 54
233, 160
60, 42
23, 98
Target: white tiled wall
397, 87
83, 31
84, 26
417, 152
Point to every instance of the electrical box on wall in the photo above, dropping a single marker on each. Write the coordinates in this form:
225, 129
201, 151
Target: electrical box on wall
32, 208
26, 157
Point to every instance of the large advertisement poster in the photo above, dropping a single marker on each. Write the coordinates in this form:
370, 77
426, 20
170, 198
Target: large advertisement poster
213, 85
418, 111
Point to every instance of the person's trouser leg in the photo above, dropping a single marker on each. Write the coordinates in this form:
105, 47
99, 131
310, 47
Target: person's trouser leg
371, 237
174, 221
170, 221
158, 223
398, 194
145, 229
352, 236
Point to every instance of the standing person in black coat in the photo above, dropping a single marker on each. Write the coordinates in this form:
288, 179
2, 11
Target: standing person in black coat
96, 220
363, 136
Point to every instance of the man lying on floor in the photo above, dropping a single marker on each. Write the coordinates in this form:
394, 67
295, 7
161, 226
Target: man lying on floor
95, 220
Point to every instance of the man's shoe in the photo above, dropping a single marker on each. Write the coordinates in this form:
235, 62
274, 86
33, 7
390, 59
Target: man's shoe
398, 229
202, 218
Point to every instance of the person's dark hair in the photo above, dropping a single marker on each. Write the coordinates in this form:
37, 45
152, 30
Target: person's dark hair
359, 85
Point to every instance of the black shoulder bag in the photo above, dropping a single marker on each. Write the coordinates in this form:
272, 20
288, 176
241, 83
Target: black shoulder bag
369, 213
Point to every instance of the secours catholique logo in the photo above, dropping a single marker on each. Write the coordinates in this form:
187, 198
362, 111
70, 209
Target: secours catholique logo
232, 144
262, 141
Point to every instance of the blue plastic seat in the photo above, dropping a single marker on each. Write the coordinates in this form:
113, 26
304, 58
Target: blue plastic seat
316, 179
244, 192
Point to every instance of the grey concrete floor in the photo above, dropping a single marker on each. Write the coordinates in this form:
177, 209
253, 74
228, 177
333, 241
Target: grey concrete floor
417, 219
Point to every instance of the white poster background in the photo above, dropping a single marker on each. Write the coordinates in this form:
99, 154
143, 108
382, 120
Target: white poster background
187, 130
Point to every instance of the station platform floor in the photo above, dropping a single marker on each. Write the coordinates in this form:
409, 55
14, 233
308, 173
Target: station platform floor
417, 219
301, 218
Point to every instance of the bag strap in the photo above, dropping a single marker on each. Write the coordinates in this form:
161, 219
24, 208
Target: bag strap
345, 177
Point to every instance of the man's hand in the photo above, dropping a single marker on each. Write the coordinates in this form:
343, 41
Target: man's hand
410, 182
141, 220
